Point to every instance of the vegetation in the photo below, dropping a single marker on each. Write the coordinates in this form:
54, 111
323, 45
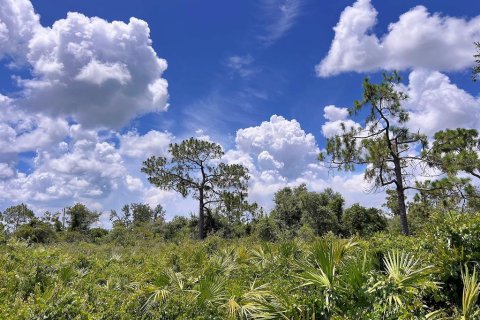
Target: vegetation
310, 257
384, 143
122, 275
193, 169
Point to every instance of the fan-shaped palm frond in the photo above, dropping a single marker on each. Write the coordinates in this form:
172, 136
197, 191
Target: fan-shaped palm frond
256, 303
167, 283
471, 290
210, 289
406, 279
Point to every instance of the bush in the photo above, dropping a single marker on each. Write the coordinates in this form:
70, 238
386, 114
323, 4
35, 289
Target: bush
37, 233
97, 233
358, 220
266, 229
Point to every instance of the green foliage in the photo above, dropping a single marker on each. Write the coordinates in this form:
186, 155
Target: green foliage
456, 150
194, 169
471, 290
402, 286
362, 221
295, 207
15, 216
386, 277
266, 229
36, 231
137, 214
81, 217
382, 142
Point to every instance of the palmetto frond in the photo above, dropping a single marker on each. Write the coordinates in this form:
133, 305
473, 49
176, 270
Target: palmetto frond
210, 289
256, 303
167, 283
471, 290
405, 279
262, 257
405, 270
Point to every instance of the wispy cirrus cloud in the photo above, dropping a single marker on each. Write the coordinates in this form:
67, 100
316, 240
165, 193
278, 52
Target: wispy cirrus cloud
241, 65
279, 16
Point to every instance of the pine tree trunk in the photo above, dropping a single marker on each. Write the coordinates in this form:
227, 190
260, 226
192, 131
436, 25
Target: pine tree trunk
201, 217
402, 209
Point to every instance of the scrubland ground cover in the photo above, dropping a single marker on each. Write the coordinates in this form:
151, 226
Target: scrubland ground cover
384, 276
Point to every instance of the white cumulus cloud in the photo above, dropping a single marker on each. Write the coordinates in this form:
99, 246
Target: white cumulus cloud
336, 118
437, 104
153, 143
419, 39
100, 73
18, 23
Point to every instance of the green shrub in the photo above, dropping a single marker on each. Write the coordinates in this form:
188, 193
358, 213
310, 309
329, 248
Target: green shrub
38, 233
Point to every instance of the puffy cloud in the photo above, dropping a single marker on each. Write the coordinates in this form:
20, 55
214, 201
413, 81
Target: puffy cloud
334, 113
85, 169
100, 73
414, 41
270, 150
278, 153
152, 143
6, 171
434, 103
336, 118
18, 23
289, 148
437, 104
133, 184
21, 131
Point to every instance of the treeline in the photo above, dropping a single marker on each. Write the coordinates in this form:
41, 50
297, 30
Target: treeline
297, 212
442, 174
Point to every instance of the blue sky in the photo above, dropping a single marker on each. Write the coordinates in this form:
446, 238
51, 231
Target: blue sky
76, 103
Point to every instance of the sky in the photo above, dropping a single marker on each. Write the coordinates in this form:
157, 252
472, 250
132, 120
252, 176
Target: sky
90, 89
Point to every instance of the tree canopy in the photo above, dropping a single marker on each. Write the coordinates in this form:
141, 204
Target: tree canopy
81, 217
194, 168
383, 146
456, 150
15, 216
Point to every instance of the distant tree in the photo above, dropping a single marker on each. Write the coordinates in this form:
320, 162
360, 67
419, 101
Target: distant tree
194, 168
3, 235
53, 219
362, 221
141, 213
237, 209
391, 202
138, 213
288, 209
265, 228
390, 153
124, 217
159, 214
323, 211
177, 228
449, 193
81, 217
297, 206
15, 216
36, 231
